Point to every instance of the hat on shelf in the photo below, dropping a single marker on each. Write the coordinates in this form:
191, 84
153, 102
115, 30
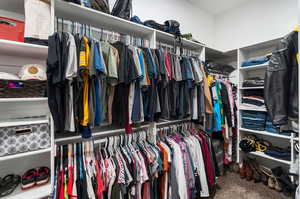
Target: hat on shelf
32, 72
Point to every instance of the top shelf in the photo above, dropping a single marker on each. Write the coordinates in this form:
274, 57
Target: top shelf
84, 15
168, 38
99, 19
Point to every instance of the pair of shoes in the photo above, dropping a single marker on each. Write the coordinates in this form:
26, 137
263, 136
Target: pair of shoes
35, 177
246, 171
8, 184
273, 181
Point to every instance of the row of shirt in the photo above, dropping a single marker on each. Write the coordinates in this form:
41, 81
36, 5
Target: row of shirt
137, 170
95, 83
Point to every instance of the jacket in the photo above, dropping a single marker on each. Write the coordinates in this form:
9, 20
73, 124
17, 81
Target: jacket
281, 81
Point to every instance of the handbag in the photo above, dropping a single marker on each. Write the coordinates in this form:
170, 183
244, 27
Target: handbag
24, 138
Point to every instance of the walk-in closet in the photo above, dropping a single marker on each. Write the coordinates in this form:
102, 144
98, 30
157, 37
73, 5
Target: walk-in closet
161, 99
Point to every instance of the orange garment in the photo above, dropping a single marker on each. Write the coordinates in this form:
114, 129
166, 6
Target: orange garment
164, 178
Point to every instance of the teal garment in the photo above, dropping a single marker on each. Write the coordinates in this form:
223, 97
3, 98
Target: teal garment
217, 108
141, 60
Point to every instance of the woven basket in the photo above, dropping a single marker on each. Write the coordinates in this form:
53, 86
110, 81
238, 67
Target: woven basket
30, 88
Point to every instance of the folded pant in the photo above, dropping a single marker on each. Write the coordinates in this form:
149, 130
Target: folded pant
256, 61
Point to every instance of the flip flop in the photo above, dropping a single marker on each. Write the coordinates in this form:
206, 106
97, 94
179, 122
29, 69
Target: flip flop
8, 184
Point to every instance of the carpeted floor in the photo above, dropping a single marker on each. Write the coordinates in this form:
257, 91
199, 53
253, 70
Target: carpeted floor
233, 187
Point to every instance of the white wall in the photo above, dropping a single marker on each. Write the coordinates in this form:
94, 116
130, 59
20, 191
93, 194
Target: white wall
253, 22
191, 18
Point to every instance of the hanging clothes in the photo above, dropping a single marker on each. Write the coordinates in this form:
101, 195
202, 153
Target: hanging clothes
138, 169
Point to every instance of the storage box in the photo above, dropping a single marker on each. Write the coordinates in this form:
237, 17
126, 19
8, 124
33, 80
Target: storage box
20, 139
11, 29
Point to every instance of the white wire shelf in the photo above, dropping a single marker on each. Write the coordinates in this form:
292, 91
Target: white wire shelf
33, 99
263, 155
265, 133
33, 193
26, 154
23, 49
255, 67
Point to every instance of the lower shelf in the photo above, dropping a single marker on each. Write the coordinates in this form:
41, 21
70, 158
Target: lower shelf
21, 155
263, 155
33, 193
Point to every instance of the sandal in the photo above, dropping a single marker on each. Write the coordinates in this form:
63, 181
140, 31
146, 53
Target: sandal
8, 184
269, 176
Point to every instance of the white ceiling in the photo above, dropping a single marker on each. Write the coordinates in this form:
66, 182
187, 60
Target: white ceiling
217, 6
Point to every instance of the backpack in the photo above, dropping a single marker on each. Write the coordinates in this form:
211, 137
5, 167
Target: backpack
122, 9
172, 27
100, 5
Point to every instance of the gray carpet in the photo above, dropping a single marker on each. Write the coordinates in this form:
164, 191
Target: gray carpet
233, 187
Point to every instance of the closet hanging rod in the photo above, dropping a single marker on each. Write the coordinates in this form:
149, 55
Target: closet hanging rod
97, 135
99, 30
173, 122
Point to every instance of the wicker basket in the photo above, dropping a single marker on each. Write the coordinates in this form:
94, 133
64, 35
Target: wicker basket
30, 88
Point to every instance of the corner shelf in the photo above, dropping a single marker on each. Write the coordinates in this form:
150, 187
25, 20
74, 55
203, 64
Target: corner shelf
169, 38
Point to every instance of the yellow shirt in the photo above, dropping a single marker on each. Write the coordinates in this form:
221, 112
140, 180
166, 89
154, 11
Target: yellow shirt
84, 62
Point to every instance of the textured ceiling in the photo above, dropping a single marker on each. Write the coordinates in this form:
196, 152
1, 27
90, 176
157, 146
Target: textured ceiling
217, 6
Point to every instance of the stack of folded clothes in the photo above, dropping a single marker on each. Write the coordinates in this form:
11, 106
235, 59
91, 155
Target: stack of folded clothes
272, 129
254, 82
253, 120
256, 61
257, 102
